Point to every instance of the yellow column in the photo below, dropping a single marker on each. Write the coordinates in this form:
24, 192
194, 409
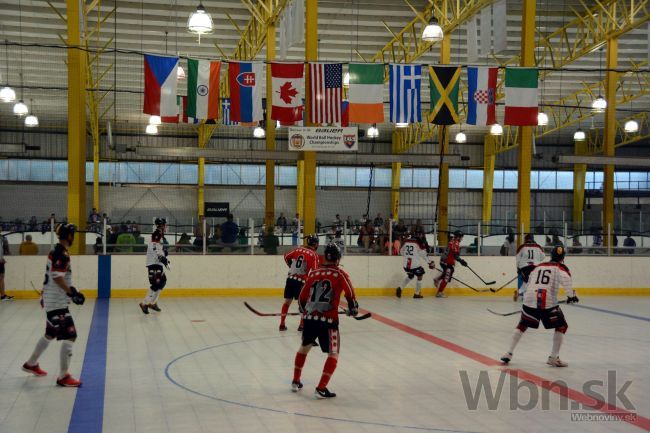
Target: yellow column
76, 127
269, 201
443, 139
396, 168
611, 81
488, 179
579, 177
309, 158
525, 133
300, 188
205, 132
96, 174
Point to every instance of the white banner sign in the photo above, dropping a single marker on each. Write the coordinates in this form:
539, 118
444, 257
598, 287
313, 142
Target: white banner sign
324, 139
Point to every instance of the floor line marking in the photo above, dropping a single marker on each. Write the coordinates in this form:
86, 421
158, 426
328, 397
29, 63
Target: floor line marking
88, 410
631, 418
617, 313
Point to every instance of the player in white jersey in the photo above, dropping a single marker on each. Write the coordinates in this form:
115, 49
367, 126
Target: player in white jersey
3, 295
529, 255
540, 303
56, 295
156, 259
414, 251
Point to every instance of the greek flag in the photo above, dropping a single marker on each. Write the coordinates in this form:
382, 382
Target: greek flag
405, 93
225, 115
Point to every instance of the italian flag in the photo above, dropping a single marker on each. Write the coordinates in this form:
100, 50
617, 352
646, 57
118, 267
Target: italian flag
366, 93
203, 89
521, 96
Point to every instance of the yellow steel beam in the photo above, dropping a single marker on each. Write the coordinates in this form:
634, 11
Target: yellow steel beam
610, 135
489, 158
579, 177
525, 134
309, 158
596, 138
205, 133
443, 139
76, 125
269, 206
396, 171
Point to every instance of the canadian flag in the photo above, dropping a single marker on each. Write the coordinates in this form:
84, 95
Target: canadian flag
287, 103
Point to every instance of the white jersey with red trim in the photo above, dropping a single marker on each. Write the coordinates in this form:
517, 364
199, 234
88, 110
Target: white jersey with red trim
529, 254
414, 253
58, 265
155, 248
544, 285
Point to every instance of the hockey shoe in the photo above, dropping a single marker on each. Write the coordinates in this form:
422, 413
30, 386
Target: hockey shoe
441, 295
506, 357
296, 386
154, 307
417, 296
68, 381
555, 361
7, 298
398, 292
300, 328
324, 393
282, 328
34, 369
144, 308
515, 295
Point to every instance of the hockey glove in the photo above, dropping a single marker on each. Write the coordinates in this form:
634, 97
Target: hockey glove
432, 265
77, 297
353, 308
572, 300
462, 262
163, 260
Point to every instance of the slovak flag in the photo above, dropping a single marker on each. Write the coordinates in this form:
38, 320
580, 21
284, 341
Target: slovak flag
287, 103
481, 101
160, 78
246, 89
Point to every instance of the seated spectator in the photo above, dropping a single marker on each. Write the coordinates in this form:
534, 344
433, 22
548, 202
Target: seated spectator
183, 244
417, 227
629, 243
379, 220
508, 247
125, 241
229, 232
33, 224
271, 241
281, 222
27, 247
366, 236
139, 240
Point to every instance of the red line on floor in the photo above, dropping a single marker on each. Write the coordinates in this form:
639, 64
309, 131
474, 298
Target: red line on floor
585, 400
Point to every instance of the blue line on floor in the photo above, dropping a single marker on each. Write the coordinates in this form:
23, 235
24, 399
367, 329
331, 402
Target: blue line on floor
88, 411
602, 310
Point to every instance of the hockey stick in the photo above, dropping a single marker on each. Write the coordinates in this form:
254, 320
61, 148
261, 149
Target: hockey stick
34, 288
496, 290
464, 284
514, 312
487, 283
362, 317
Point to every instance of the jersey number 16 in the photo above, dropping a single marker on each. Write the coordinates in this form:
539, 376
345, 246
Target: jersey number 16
543, 277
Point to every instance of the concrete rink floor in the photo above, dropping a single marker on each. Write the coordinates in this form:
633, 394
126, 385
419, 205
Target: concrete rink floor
210, 365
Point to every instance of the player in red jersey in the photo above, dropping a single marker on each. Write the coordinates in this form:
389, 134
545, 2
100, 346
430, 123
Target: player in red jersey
300, 261
447, 262
319, 304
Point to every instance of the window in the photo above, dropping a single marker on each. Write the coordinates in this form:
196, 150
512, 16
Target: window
287, 175
250, 174
346, 176
406, 178
231, 174
188, 174
421, 178
363, 177
510, 179
382, 178
457, 179
498, 179
474, 179
546, 180
564, 180
327, 176
42, 171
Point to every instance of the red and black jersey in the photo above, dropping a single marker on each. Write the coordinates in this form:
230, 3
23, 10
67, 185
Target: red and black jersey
321, 294
452, 253
300, 261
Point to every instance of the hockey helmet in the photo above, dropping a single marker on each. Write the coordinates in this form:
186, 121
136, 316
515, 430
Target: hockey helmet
160, 222
312, 241
332, 253
529, 237
458, 234
63, 231
557, 254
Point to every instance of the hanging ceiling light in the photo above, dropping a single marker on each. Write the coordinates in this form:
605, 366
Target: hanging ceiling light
432, 32
542, 119
151, 129
496, 129
599, 105
7, 94
373, 132
259, 132
200, 22
31, 121
461, 137
346, 79
180, 73
401, 125
631, 126
20, 109
155, 120
579, 135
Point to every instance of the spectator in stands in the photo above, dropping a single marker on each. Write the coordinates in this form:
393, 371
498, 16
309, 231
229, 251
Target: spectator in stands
125, 240
366, 236
27, 247
271, 241
93, 217
295, 229
112, 238
139, 241
379, 221
597, 240
508, 248
629, 243
229, 232
337, 221
183, 244
556, 241
105, 218
417, 227
282, 222
33, 224
576, 246
350, 223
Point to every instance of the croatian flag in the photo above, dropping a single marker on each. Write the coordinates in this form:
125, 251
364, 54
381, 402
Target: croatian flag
246, 81
160, 85
482, 84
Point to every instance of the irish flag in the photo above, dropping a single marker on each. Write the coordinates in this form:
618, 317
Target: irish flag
521, 96
203, 89
366, 94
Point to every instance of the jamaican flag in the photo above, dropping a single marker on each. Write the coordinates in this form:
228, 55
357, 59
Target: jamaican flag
443, 82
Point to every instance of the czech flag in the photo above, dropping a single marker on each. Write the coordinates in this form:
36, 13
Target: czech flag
160, 75
246, 89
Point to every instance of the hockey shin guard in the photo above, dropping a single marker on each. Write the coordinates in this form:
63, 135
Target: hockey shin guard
328, 370
66, 355
297, 366
285, 310
38, 351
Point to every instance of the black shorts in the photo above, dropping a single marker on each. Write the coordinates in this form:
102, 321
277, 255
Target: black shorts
292, 288
551, 318
2, 268
60, 325
417, 272
327, 335
447, 271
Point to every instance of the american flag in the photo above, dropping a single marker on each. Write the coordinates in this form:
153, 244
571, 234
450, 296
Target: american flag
225, 115
326, 82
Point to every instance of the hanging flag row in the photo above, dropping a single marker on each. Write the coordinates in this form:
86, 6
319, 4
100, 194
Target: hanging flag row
365, 94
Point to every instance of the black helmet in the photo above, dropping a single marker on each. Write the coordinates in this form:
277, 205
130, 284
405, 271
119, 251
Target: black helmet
332, 253
529, 237
458, 234
160, 222
557, 254
63, 231
312, 240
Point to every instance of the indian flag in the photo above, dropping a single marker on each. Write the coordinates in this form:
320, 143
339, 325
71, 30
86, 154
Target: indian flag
203, 89
366, 93
521, 96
